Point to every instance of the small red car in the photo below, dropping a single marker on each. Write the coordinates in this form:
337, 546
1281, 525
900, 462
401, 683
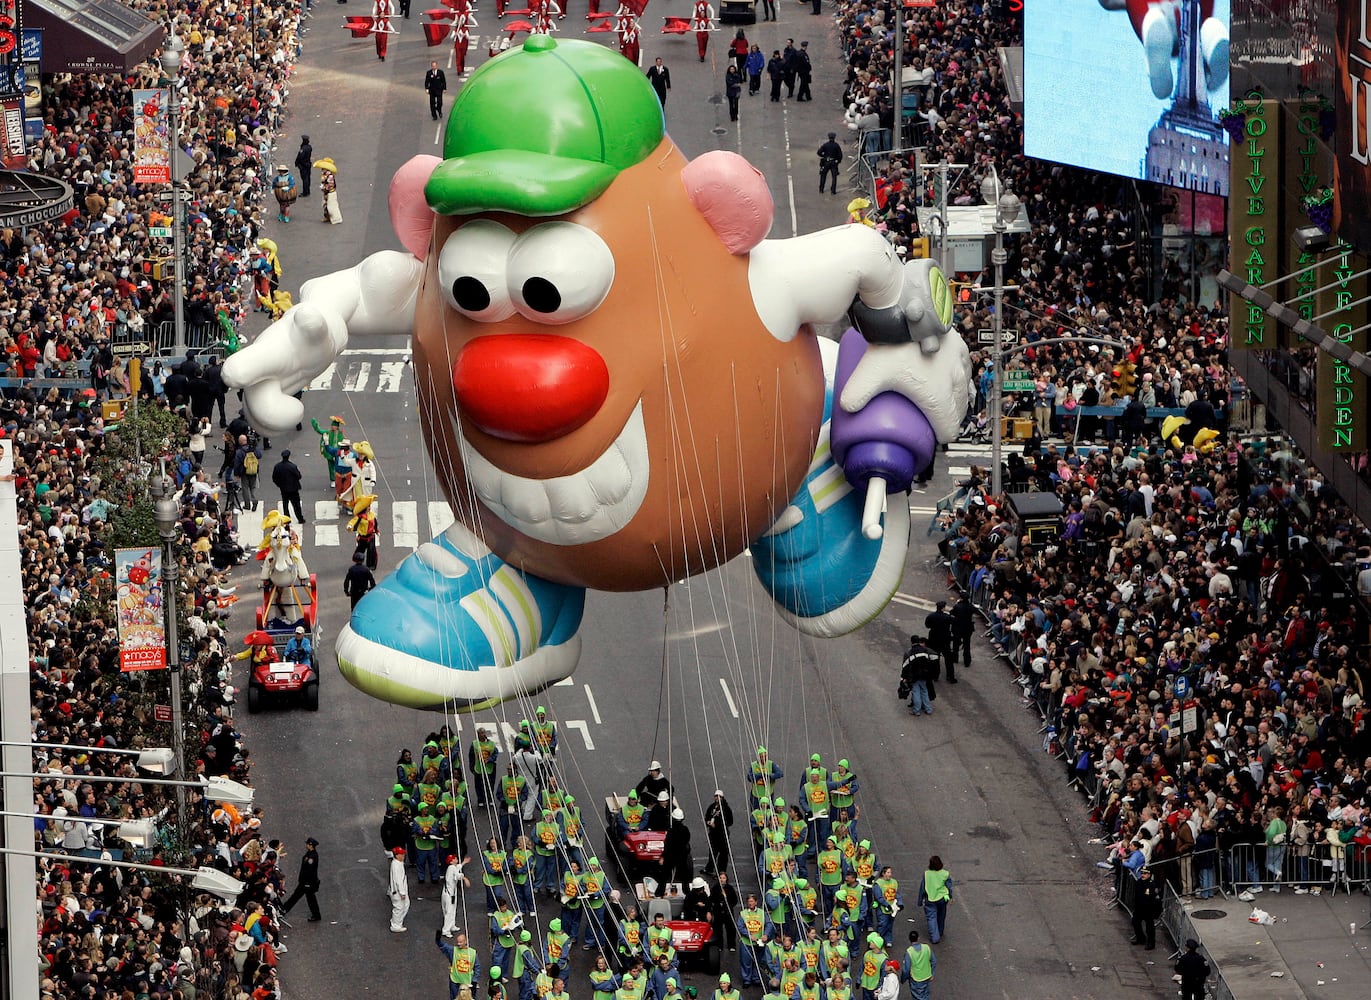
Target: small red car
282, 611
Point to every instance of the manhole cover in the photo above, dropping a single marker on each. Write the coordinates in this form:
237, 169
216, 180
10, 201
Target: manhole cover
719, 130
1208, 914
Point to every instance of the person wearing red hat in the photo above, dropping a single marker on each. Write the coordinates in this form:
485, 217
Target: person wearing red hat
399, 891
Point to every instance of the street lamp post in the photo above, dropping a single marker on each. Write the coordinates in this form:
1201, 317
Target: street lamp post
1007, 207
138, 832
164, 513
172, 52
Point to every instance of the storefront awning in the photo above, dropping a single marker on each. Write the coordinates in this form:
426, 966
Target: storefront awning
92, 36
27, 199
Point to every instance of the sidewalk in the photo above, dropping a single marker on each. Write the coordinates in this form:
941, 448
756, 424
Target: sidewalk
1310, 943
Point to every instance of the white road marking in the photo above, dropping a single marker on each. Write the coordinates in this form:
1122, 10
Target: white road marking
439, 517
250, 528
929, 511
404, 524
393, 352
728, 697
326, 535
326, 510
565, 682
789, 174
357, 374
909, 601
594, 708
580, 726
391, 376
959, 470
325, 378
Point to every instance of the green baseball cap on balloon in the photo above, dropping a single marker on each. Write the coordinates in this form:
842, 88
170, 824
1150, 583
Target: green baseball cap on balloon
543, 130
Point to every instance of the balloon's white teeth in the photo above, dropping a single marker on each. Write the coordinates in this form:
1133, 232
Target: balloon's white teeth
567, 510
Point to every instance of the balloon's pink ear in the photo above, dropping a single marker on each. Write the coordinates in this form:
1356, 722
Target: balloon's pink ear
732, 196
410, 216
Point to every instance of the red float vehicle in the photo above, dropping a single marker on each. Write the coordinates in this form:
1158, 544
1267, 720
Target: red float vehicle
283, 671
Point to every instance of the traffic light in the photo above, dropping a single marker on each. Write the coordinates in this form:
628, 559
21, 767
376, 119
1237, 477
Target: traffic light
961, 291
1124, 380
918, 248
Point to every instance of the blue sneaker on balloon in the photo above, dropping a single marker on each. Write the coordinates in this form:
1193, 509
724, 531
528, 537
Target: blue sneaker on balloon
457, 628
825, 576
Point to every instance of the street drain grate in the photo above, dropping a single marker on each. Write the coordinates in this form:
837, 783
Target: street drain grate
1208, 914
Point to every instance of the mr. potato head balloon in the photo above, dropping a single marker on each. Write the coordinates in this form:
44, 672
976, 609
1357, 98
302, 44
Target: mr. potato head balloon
618, 381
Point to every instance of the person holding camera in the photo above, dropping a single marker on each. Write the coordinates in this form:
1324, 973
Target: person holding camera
830, 155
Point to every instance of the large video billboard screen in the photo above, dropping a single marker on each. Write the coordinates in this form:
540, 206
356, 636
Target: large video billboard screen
1129, 87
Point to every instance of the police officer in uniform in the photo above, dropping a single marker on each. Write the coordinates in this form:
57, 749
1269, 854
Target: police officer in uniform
308, 882
939, 625
830, 155
1146, 910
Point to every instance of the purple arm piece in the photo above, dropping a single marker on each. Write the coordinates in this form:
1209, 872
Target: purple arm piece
889, 437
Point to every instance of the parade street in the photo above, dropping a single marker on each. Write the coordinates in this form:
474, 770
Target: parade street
697, 677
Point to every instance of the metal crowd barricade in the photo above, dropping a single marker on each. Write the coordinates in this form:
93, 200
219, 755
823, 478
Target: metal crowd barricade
158, 339
1314, 866
1180, 927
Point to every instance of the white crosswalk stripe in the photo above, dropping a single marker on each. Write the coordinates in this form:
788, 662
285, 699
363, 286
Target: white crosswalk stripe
968, 449
404, 524
358, 372
325, 378
391, 376
439, 517
370, 375
405, 531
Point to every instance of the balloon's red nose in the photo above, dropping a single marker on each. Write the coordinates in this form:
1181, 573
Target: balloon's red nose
529, 387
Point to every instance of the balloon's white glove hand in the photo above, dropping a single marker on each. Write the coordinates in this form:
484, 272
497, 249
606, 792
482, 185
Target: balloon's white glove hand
937, 383
283, 359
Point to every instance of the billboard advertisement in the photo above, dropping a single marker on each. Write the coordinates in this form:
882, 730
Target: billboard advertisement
138, 609
1340, 404
1129, 87
151, 138
31, 51
1254, 218
1352, 163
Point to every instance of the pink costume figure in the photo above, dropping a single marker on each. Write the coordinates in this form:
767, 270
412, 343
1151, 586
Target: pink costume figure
1157, 23
702, 23
381, 11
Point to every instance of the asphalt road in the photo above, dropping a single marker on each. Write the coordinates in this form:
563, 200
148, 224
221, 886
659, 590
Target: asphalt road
695, 676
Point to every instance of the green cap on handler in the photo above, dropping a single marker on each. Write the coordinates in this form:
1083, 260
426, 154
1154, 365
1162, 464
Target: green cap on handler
544, 129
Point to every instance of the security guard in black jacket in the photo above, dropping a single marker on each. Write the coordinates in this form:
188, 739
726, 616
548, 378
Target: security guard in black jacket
940, 640
1193, 970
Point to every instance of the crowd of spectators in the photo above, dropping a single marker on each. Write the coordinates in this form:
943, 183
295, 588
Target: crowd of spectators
86, 280
1233, 566
1078, 271
1234, 569
71, 288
